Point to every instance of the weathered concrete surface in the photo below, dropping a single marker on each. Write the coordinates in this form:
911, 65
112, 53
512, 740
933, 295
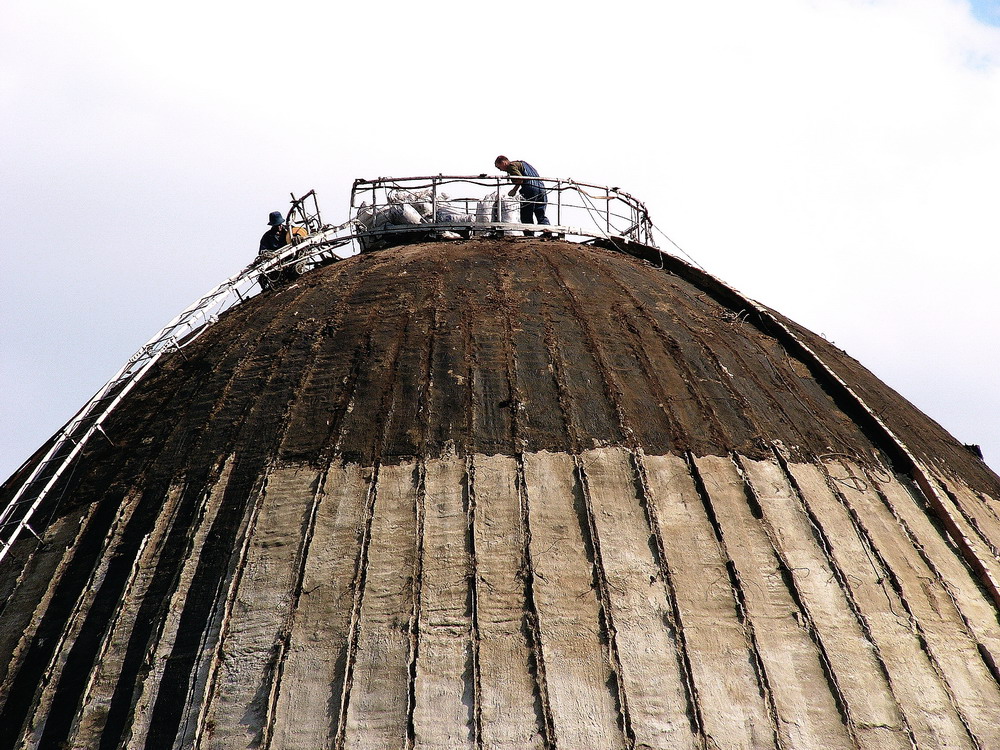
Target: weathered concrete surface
505, 495
497, 347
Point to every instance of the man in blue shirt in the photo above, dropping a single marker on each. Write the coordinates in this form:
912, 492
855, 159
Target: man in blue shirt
533, 200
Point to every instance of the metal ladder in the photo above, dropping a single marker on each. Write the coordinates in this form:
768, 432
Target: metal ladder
37, 489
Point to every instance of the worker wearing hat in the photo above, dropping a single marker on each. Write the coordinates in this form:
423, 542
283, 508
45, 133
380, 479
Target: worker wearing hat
277, 236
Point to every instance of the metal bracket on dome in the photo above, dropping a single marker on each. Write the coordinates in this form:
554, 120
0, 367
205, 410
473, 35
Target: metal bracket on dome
304, 213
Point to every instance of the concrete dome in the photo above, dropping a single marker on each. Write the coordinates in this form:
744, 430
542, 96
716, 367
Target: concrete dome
509, 494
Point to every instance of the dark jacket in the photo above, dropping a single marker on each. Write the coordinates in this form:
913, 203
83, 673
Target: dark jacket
274, 238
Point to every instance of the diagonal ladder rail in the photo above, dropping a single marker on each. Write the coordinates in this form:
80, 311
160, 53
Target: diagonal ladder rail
16, 516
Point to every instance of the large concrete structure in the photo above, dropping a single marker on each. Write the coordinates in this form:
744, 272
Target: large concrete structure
509, 494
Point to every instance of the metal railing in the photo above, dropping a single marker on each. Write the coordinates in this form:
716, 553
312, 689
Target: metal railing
468, 206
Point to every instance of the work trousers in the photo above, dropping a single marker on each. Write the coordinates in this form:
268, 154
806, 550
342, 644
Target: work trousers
533, 204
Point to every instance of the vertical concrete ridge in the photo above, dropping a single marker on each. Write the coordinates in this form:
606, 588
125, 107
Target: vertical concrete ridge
357, 589
307, 536
516, 402
977, 509
645, 645
808, 714
611, 388
792, 585
826, 541
673, 616
592, 543
252, 642
579, 676
476, 634
444, 687
378, 696
215, 644
970, 525
416, 603
537, 657
34, 591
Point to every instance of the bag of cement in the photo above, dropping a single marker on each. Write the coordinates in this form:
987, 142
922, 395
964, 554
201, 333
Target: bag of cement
485, 209
488, 211
394, 213
441, 199
447, 214
511, 211
367, 216
402, 213
420, 200
364, 215
424, 203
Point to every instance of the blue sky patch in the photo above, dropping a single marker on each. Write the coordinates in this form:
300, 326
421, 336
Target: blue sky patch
987, 11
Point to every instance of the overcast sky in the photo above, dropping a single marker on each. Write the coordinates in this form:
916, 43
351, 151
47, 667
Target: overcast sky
837, 160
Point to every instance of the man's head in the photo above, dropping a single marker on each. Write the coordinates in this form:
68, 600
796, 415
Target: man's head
275, 218
501, 163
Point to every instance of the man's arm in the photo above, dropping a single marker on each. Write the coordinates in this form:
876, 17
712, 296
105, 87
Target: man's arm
516, 176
